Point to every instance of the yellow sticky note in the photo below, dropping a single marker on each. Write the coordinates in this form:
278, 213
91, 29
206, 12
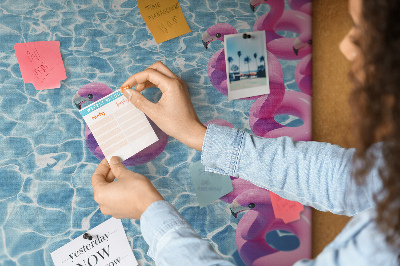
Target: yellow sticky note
164, 18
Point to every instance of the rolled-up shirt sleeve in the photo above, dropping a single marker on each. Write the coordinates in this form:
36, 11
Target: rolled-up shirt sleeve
172, 241
316, 174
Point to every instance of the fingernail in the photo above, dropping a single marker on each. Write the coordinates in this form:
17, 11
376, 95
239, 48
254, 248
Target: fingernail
115, 160
129, 92
124, 88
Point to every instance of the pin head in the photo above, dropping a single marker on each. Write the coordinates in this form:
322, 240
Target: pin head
87, 236
246, 36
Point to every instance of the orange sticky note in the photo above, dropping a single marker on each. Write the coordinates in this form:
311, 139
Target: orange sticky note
164, 18
288, 211
41, 64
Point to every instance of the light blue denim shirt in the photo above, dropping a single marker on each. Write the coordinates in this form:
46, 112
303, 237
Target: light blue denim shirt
312, 173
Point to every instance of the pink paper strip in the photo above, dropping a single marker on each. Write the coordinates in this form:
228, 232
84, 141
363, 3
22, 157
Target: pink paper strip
288, 211
41, 63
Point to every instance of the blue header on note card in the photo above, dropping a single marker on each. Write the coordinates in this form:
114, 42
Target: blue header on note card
103, 101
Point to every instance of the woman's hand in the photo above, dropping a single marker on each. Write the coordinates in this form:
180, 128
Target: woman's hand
128, 197
174, 112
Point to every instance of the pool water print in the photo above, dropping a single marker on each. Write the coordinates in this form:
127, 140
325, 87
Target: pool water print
46, 197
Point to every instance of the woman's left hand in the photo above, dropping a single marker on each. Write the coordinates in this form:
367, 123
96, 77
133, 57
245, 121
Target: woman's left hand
127, 197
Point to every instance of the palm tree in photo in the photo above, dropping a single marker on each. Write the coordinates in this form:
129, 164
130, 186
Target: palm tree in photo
230, 59
239, 55
262, 71
247, 60
262, 59
255, 58
234, 68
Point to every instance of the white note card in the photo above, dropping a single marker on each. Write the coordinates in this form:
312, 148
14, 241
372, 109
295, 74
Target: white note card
109, 246
118, 126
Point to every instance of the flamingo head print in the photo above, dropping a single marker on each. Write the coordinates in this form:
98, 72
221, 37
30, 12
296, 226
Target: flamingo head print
90, 93
302, 42
252, 199
217, 32
254, 3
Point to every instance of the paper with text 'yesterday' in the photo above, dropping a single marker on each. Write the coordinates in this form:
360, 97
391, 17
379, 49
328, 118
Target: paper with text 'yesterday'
118, 126
288, 211
164, 18
41, 64
209, 186
109, 246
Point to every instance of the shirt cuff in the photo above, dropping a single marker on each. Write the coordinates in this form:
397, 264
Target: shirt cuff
222, 147
158, 219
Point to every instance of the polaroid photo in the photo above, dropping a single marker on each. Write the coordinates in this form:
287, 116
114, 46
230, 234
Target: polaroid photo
246, 64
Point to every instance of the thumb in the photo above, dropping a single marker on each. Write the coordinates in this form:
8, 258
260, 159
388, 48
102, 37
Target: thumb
117, 167
100, 174
138, 100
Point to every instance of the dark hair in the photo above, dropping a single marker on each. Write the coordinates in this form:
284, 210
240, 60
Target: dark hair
376, 107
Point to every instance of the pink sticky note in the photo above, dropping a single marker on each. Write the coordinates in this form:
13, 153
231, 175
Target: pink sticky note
288, 211
41, 63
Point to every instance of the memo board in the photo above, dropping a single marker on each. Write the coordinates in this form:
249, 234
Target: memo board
47, 154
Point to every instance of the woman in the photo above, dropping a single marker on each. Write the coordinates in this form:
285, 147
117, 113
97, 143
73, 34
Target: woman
362, 182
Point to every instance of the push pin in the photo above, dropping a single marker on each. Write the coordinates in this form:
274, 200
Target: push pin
246, 36
87, 236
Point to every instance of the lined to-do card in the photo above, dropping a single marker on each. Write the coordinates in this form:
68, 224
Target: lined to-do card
118, 126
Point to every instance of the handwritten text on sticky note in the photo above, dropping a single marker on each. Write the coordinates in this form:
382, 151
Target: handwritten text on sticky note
41, 63
209, 186
108, 246
164, 18
288, 211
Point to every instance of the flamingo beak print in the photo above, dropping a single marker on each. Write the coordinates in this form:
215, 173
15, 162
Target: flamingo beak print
206, 39
79, 100
254, 3
297, 45
236, 208
234, 214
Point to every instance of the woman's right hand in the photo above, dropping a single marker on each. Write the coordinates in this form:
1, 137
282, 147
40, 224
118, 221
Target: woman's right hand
173, 113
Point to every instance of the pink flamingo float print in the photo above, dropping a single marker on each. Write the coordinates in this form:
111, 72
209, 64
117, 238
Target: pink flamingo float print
259, 220
301, 5
302, 74
253, 227
216, 68
94, 91
262, 113
279, 19
262, 116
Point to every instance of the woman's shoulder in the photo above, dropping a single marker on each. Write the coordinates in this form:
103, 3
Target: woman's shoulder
362, 241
